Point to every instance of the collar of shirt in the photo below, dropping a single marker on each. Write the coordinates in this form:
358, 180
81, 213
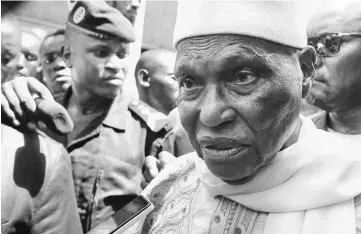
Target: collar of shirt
116, 116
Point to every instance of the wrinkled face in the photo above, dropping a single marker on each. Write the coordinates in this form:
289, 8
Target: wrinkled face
163, 84
29, 58
99, 67
10, 51
56, 74
337, 81
239, 100
129, 8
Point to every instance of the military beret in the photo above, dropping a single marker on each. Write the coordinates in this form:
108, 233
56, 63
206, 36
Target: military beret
98, 19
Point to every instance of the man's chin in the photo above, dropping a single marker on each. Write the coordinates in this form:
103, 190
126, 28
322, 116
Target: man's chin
242, 176
319, 101
239, 181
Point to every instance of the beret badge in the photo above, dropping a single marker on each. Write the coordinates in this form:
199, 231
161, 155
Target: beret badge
79, 15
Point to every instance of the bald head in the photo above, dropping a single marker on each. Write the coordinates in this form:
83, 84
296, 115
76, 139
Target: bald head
10, 46
344, 16
337, 81
154, 59
155, 79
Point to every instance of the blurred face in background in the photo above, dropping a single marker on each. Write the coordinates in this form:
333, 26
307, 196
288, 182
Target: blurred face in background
28, 62
128, 8
56, 74
337, 81
156, 80
10, 49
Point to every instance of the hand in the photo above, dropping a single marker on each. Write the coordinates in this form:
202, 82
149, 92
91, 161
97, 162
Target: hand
154, 165
20, 91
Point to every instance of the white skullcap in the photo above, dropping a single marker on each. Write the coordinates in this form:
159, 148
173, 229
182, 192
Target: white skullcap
277, 21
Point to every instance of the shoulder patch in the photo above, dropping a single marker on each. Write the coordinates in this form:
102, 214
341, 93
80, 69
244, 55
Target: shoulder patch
154, 119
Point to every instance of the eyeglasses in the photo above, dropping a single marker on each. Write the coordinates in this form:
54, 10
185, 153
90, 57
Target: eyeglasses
328, 44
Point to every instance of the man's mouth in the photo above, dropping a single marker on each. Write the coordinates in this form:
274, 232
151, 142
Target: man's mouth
221, 149
58, 75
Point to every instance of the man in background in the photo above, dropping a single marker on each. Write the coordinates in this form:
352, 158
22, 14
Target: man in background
157, 86
335, 32
56, 74
156, 83
10, 47
28, 64
128, 8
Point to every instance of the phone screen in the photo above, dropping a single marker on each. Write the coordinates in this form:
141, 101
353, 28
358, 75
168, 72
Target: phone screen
130, 210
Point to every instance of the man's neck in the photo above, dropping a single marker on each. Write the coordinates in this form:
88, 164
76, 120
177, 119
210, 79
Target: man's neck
87, 102
346, 122
153, 103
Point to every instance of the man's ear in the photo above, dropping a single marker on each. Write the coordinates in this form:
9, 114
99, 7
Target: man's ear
66, 53
143, 78
307, 62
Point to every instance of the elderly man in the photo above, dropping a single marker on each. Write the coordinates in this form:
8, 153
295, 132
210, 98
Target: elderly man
113, 132
335, 32
56, 74
259, 166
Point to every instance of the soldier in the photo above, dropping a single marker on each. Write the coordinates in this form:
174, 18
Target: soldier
113, 133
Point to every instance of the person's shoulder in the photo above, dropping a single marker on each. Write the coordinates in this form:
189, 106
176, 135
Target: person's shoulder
154, 120
181, 165
334, 144
319, 119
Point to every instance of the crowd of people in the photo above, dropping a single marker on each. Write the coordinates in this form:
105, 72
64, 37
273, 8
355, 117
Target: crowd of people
249, 126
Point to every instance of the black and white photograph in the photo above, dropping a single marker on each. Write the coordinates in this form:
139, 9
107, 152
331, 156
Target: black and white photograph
181, 117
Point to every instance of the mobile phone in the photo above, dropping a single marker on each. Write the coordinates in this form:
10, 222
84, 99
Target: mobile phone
126, 217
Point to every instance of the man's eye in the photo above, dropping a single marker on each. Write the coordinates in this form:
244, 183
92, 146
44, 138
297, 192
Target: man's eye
332, 42
187, 83
101, 53
245, 77
6, 58
30, 57
122, 55
50, 58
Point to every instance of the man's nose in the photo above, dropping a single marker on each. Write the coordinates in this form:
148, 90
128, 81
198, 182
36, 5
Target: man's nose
59, 64
215, 109
21, 62
319, 61
114, 64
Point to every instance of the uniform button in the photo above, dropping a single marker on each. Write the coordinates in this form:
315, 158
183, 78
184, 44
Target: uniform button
134, 102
